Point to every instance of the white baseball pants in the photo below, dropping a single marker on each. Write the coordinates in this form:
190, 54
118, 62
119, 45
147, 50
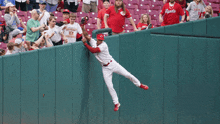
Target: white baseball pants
116, 68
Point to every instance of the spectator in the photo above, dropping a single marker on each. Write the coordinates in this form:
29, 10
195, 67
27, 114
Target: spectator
66, 16
10, 48
55, 32
34, 28
11, 19
189, 1
42, 42
51, 5
22, 4
19, 45
208, 12
101, 13
33, 4
17, 33
89, 6
2, 52
145, 22
171, 12
4, 2
70, 30
3, 34
73, 5
117, 15
181, 2
195, 10
60, 6
44, 15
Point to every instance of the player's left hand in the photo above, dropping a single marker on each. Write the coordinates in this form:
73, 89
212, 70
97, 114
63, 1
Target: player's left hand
84, 40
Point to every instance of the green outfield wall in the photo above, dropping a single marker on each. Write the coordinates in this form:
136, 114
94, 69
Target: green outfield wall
65, 85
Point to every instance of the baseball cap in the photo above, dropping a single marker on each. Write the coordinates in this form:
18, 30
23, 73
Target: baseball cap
66, 11
16, 32
9, 4
20, 28
18, 40
1, 24
42, 2
100, 36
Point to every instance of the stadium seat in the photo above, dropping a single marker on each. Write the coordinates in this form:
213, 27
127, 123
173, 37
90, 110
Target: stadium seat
144, 2
93, 15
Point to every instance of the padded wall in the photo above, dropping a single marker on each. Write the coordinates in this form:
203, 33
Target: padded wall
205, 28
11, 89
29, 87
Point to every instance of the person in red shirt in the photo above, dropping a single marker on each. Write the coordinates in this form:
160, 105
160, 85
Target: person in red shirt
101, 13
60, 6
117, 15
171, 12
66, 16
181, 2
144, 22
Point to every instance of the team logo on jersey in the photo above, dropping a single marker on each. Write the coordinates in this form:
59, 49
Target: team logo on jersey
122, 13
170, 11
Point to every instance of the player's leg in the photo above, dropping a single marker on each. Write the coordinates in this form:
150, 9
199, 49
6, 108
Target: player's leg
107, 74
122, 71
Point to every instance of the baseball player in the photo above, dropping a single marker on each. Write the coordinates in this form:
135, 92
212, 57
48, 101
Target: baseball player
109, 65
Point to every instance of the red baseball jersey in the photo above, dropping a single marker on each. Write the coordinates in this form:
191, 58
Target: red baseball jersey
101, 17
143, 26
171, 14
117, 20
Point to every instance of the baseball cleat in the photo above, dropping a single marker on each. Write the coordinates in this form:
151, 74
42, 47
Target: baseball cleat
117, 107
145, 87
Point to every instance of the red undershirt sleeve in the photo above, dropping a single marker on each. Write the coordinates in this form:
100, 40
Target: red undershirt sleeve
92, 50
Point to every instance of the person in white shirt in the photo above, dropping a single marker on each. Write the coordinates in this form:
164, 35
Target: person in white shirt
90, 6
109, 65
22, 4
44, 15
55, 32
10, 47
70, 30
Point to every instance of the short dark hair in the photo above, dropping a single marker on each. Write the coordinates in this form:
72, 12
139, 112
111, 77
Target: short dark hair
10, 45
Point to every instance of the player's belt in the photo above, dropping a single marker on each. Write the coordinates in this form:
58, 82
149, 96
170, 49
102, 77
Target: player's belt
107, 63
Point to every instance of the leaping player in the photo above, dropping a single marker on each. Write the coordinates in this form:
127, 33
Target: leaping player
109, 65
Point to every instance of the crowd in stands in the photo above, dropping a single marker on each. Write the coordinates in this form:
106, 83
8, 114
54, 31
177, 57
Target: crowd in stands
34, 24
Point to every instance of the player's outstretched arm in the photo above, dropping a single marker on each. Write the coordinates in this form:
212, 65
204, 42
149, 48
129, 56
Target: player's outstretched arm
85, 34
92, 50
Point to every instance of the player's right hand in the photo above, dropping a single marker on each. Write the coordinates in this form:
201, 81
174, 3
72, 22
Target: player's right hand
106, 26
